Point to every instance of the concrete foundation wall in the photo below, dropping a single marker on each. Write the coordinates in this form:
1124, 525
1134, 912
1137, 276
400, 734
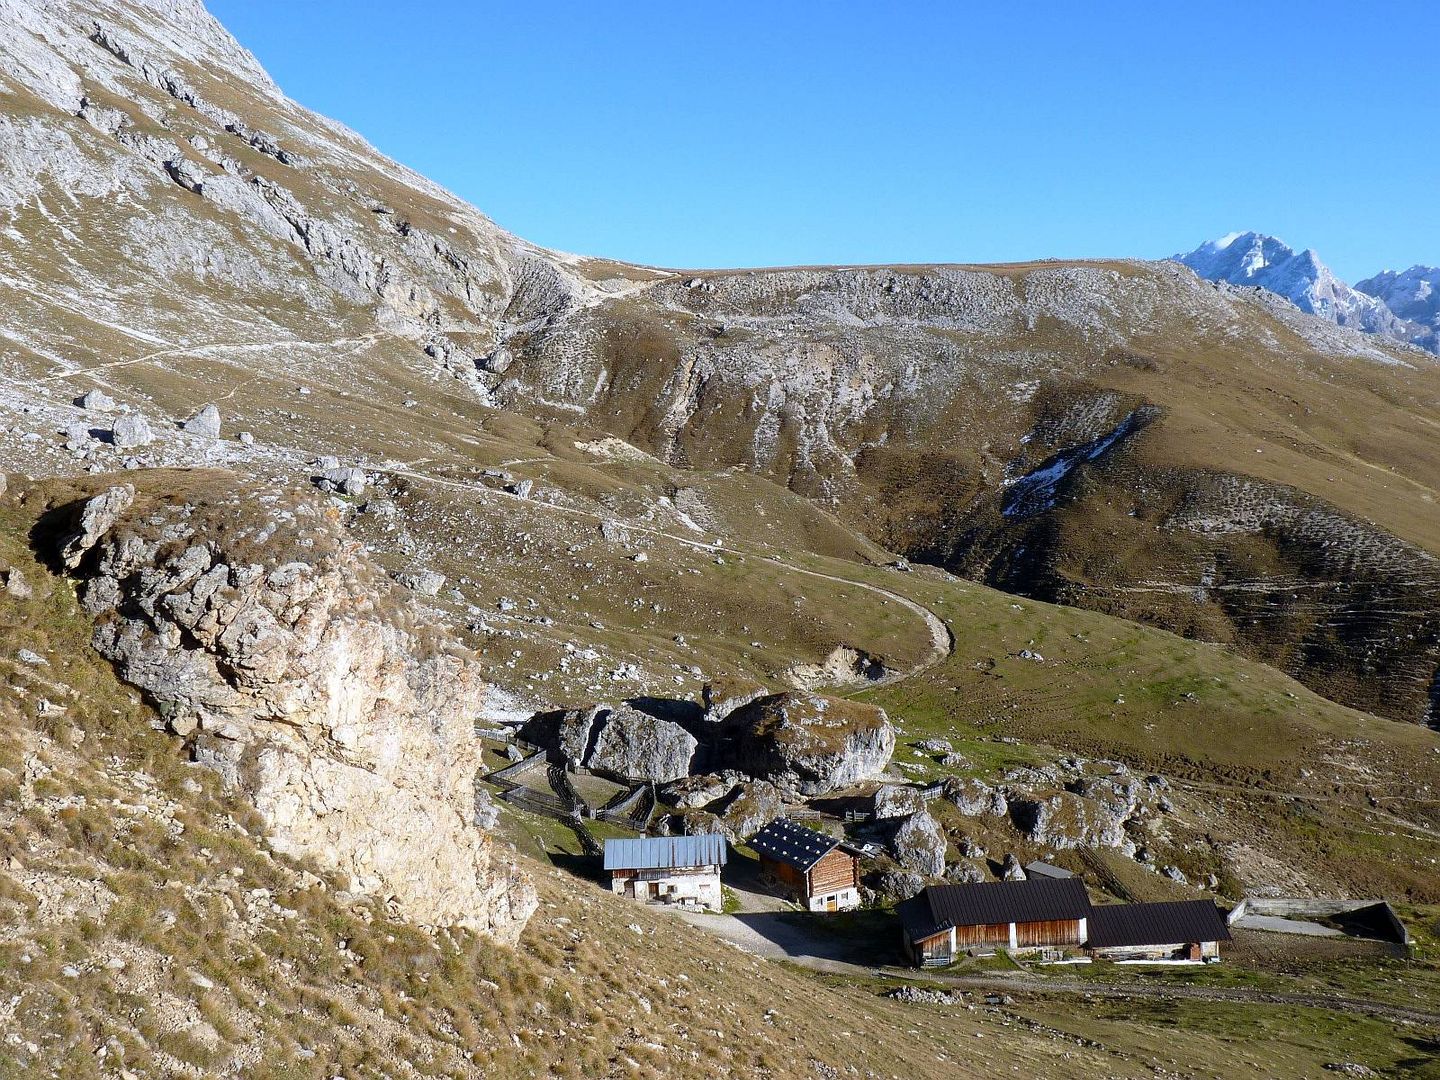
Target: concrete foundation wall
1384, 924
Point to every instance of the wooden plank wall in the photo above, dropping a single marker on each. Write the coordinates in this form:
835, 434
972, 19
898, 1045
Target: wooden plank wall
982, 934
1049, 932
783, 873
834, 872
933, 948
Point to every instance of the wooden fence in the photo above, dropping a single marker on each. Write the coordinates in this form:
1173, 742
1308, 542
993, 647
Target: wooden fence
631, 809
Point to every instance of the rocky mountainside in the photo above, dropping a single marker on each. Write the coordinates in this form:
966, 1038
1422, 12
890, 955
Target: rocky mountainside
318, 480
1122, 436
145, 134
1414, 296
955, 414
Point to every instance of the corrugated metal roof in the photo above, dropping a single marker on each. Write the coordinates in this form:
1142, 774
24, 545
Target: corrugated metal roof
665, 852
786, 842
1037, 900
1181, 922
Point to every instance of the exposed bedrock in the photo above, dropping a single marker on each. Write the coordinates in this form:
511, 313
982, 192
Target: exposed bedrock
288, 664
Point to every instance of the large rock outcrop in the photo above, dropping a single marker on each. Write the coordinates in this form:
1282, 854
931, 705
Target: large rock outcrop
633, 745
266, 640
810, 744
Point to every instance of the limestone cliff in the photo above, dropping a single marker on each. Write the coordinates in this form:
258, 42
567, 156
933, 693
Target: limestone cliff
269, 643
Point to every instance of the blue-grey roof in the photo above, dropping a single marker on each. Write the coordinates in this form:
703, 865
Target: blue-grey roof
1045, 869
665, 852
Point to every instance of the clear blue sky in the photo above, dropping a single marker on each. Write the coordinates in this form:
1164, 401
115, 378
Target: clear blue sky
784, 132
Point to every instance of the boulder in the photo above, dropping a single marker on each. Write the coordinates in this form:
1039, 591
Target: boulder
78, 437
1067, 820
95, 401
187, 174
896, 801
635, 746
896, 885
695, 823
205, 423
697, 792
974, 798
809, 744
344, 479
17, 586
919, 845
425, 582
573, 731
1010, 869
964, 873
497, 362
131, 431
750, 807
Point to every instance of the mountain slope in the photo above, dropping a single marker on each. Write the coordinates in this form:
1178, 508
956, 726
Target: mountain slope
971, 416
219, 241
585, 482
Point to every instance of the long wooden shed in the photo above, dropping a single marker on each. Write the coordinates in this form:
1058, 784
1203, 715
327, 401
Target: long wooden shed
945, 920
1179, 930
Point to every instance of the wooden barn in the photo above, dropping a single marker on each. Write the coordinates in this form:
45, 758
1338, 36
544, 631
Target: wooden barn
682, 870
816, 870
943, 921
1179, 930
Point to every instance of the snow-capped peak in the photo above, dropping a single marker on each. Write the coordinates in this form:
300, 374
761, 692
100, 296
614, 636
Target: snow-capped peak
1414, 296
1251, 258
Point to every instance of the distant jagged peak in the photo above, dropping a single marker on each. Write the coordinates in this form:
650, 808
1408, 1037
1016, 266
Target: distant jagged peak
1254, 258
1244, 258
1414, 296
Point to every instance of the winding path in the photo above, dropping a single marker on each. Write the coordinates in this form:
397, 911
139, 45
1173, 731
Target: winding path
942, 641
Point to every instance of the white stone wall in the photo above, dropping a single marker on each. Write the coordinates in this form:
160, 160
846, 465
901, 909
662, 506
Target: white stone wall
679, 888
845, 900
